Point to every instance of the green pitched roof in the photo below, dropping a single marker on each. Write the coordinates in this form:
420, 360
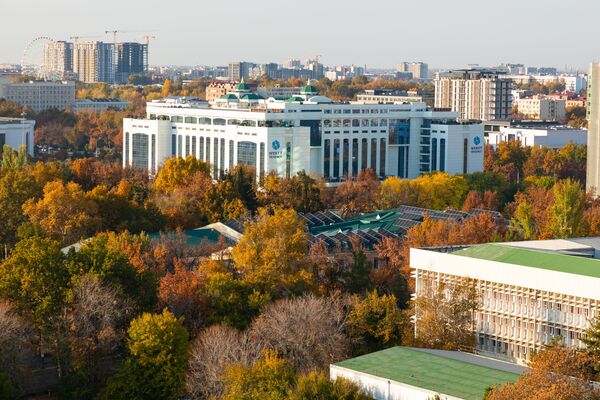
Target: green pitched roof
534, 258
309, 89
250, 96
228, 96
242, 87
430, 371
293, 99
381, 219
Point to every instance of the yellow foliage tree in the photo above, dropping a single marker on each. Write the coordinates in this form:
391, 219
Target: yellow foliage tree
177, 172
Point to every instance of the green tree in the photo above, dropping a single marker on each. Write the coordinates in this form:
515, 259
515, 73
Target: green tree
12, 159
376, 321
270, 378
156, 362
566, 214
318, 386
592, 341
16, 187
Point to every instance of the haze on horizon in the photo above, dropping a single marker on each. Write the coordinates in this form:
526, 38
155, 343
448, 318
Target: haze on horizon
379, 33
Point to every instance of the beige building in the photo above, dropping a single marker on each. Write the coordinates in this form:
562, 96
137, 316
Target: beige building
538, 108
419, 70
94, 61
218, 89
39, 95
593, 116
58, 59
475, 94
530, 293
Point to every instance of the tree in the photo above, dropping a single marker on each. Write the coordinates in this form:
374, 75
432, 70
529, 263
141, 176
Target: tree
15, 345
308, 331
440, 190
65, 213
156, 362
216, 348
95, 319
271, 254
566, 214
360, 196
177, 172
396, 192
16, 187
592, 341
270, 378
556, 373
376, 322
317, 385
300, 192
181, 293
13, 160
444, 316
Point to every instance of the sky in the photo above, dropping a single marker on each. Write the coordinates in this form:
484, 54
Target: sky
378, 33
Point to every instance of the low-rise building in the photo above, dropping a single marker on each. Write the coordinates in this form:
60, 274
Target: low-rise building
554, 137
381, 96
16, 132
530, 293
217, 89
39, 95
405, 373
540, 108
98, 105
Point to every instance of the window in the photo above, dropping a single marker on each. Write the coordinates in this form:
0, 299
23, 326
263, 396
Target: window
173, 145
246, 153
346, 157
465, 155
336, 158
153, 153
442, 155
208, 149
434, 154
354, 157
261, 167
382, 154
218, 121
374, 155
205, 121
126, 151
191, 120
222, 156
288, 159
230, 155
179, 145
139, 147
326, 157
364, 150
194, 146
187, 146
201, 148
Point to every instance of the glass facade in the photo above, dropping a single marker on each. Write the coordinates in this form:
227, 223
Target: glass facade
153, 153
288, 159
208, 149
365, 152
434, 142
187, 145
126, 151
230, 155
215, 157
173, 145
194, 146
222, 156
442, 155
346, 157
262, 160
465, 155
382, 154
336, 158
315, 131
354, 157
139, 147
399, 131
246, 153
374, 155
201, 148
326, 158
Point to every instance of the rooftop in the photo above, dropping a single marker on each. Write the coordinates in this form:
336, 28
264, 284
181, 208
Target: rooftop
451, 373
547, 260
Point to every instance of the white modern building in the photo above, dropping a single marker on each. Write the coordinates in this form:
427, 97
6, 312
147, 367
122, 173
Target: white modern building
554, 136
405, 373
305, 132
16, 132
530, 293
39, 95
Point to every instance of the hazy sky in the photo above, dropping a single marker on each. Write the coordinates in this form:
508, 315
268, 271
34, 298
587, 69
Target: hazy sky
379, 33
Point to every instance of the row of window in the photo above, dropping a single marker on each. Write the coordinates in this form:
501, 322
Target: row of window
342, 157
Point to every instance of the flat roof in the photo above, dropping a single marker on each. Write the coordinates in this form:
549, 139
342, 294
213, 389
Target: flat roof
438, 371
534, 258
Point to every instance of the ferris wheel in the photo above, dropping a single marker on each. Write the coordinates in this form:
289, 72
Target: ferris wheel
33, 62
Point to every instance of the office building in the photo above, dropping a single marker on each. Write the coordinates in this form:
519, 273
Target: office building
540, 108
529, 293
15, 133
39, 95
98, 105
592, 180
419, 70
94, 61
474, 94
553, 136
58, 59
132, 59
240, 70
406, 373
305, 132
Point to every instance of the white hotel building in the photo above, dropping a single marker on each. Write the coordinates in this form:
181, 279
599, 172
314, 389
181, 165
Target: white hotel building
16, 132
304, 132
529, 292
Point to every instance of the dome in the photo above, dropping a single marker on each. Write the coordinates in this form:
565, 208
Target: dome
319, 99
250, 96
242, 87
309, 89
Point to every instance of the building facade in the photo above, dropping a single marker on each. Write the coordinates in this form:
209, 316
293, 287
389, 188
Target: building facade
530, 293
305, 132
553, 137
592, 180
545, 109
474, 94
94, 61
132, 59
39, 95
16, 133
418, 70
58, 58
98, 105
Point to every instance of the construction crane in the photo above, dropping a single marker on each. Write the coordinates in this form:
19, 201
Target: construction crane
317, 57
76, 38
114, 33
147, 39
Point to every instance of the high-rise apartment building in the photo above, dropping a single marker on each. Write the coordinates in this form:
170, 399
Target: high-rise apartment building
475, 94
94, 61
419, 70
58, 58
132, 58
593, 117
240, 70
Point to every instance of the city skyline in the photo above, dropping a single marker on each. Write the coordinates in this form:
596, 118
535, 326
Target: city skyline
221, 33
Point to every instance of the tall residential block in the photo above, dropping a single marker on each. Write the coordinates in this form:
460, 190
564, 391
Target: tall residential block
475, 94
94, 61
58, 58
593, 116
131, 58
419, 70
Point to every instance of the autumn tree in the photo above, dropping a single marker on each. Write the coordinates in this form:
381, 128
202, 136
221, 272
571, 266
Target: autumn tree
300, 192
395, 192
555, 373
16, 187
308, 331
177, 172
444, 315
360, 196
566, 213
216, 348
269, 378
16, 347
317, 385
271, 254
376, 322
64, 214
157, 348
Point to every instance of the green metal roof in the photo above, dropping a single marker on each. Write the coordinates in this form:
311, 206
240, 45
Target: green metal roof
194, 237
228, 96
294, 99
381, 219
534, 258
430, 371
250, 96
309, 89
242, 87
